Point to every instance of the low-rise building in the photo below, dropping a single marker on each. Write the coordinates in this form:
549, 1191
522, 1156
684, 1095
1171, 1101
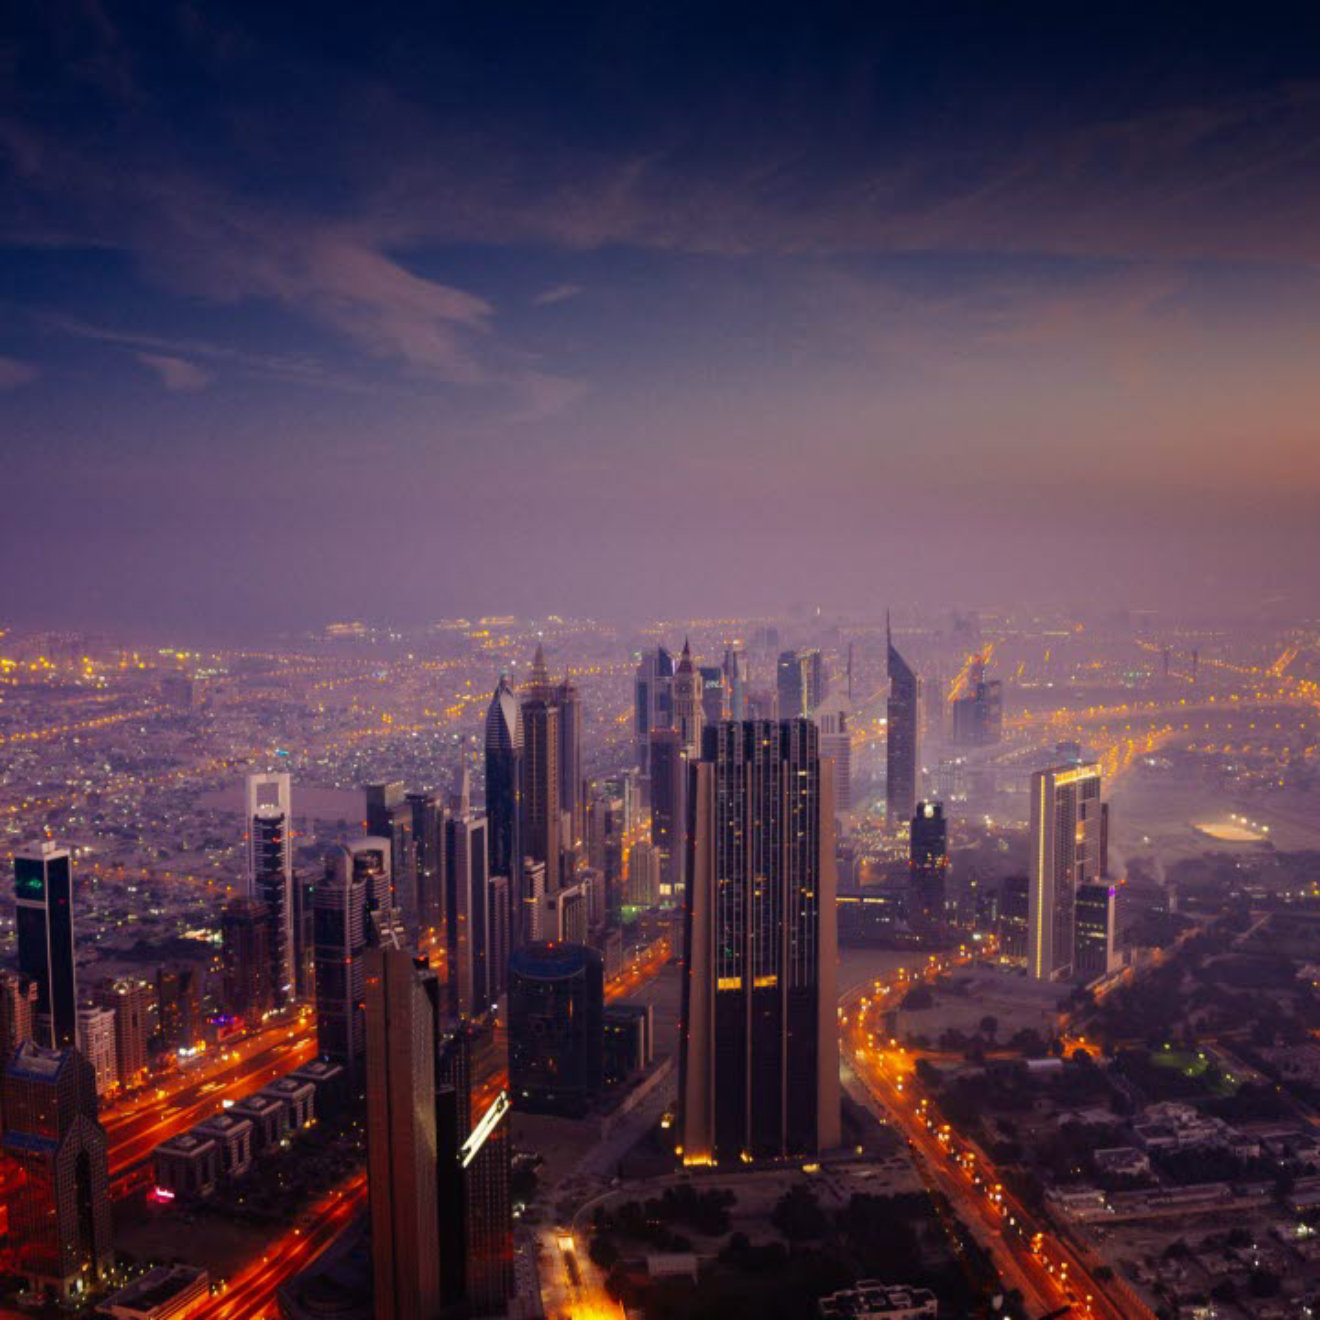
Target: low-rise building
187, 1166
298, 1098
269, 1116
232, 1134
169, 1292
872, 1300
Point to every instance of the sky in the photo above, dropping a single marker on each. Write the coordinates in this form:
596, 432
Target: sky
312, 312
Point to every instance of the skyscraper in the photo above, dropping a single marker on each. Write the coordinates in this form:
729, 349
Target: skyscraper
340, 933
928, 865
571, 799
389, 816
270, 872
402, 1169
978, 718
1095, 924
735, 678
832, 718
1064, 855
467, 914
130, 997
669, 814
245, 954
788, 682
428, 842
504, 772
60, 1222
540, 781
653, 701
18, 1011
902, 748
43, 889
713, 689
688, 703
759, 1064
556, 1025
96, 1043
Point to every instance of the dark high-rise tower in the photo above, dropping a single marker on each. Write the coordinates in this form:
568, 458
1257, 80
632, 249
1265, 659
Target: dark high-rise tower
428, 842
59, 1222
270, 872
759, 1053
654, 701
43, 889
928, 862
245, 953
389, 816
571, 797
902, 749
788, 682
556, 1028
504, 771
540, 781
669, 814
340, 934
467, 914
402, 1167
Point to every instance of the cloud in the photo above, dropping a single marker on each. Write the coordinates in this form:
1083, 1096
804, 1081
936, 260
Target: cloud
176, 374
14, 373
556, 294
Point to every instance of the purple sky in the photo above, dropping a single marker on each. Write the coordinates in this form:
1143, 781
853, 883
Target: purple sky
652, 310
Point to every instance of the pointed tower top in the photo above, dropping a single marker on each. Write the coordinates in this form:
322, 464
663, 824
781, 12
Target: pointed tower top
539, 677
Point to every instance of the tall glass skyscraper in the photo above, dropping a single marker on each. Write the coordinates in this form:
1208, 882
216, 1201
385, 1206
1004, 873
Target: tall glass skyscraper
270, 872
504, 754
759, 1062
43, 890
903, 742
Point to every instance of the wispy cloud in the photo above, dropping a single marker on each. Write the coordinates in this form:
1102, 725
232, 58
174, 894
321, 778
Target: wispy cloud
556, 294
175, 374
14, 373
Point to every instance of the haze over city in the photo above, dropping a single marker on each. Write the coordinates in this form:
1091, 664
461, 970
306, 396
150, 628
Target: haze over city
761, 306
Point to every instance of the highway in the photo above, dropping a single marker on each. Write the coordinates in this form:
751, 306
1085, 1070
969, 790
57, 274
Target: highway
1029, 1253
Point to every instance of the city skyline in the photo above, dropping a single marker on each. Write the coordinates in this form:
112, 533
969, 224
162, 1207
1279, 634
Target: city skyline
851, 264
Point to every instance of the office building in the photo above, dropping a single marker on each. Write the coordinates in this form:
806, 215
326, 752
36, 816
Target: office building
1014, 916
467, 914
504, 773
540, 782
132, 1000
568, 913
759, 1062
1064, 855
642, 885
669, 815
1095, 924
832, 719
59, 1225
390, 816
687, 704
245, 932
43, 891
629, 1042
789, 687
712, 694
903, 744
167, 1292
928, 870
269, 826
428, 842
556, 1024
484, 1162
978, 718
653, 692
735, 679
498, 931
340, 933
179, 1005
402, 1137
96, 1040
18, 1012
572, 790
531, 912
